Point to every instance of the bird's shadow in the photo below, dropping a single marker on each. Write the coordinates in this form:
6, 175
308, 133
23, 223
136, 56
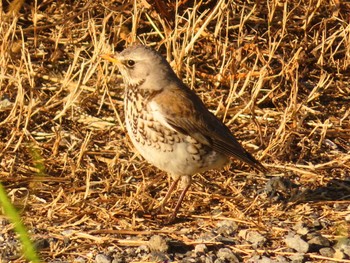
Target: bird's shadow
292, 194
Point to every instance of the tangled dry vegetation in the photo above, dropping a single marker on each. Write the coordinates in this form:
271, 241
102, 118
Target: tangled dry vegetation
276, 72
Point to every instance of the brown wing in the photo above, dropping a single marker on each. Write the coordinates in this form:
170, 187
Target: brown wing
186, 113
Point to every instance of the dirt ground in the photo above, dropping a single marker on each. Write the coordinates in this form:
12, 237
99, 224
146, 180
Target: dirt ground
276, 72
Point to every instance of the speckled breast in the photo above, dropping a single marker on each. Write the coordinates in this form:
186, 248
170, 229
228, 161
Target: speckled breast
167, 149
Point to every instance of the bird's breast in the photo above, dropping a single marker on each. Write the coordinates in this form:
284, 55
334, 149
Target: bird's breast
163, 146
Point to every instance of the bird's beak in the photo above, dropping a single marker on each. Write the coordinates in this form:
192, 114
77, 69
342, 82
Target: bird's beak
111, 58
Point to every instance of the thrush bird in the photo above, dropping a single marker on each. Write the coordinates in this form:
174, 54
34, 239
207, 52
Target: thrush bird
169, 124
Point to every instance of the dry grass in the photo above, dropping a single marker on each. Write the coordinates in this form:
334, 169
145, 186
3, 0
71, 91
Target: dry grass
276, 72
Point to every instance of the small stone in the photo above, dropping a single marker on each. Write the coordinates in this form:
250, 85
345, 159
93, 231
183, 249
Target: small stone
327, 252
227, 255
343, 245
319, 241
102, 258
255, 238
226, 227
297, 243
301, 229
207, 236
338, 254
200, 249
42, 243
297, 258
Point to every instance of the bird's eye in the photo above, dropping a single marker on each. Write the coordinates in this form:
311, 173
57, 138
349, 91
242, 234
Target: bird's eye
130, 63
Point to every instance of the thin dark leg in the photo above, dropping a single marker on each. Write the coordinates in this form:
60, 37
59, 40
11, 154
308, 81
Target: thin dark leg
178, 204
167, 196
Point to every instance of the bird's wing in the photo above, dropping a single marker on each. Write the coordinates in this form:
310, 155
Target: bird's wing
184, 112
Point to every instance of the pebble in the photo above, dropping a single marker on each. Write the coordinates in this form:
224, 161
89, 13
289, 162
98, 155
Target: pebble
297, 243
200, 249
253, 237
102, 258
227, 255
343, 245
207, 236
301, 229
297, 258
42, 243
338, 254
319, 241
327, 252
226, 227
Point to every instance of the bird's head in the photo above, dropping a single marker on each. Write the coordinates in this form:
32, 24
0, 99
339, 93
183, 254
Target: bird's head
140, 65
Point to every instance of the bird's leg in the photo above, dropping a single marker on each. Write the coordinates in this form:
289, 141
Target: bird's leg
186, 185
167, 196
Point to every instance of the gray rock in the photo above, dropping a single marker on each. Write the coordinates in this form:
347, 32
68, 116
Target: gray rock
200, 249
297, 258
343, 245
207, 236
255, 238
297, 243
319, 240
301, 229
226, 255
327, 252
102, 258
338, 254
226, 227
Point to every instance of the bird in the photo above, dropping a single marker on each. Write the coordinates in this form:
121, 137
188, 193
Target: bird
168, 123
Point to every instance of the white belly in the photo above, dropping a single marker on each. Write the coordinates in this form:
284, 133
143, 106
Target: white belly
172, 152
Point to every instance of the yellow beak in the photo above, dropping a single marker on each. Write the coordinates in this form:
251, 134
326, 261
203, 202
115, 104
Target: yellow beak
111, 58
